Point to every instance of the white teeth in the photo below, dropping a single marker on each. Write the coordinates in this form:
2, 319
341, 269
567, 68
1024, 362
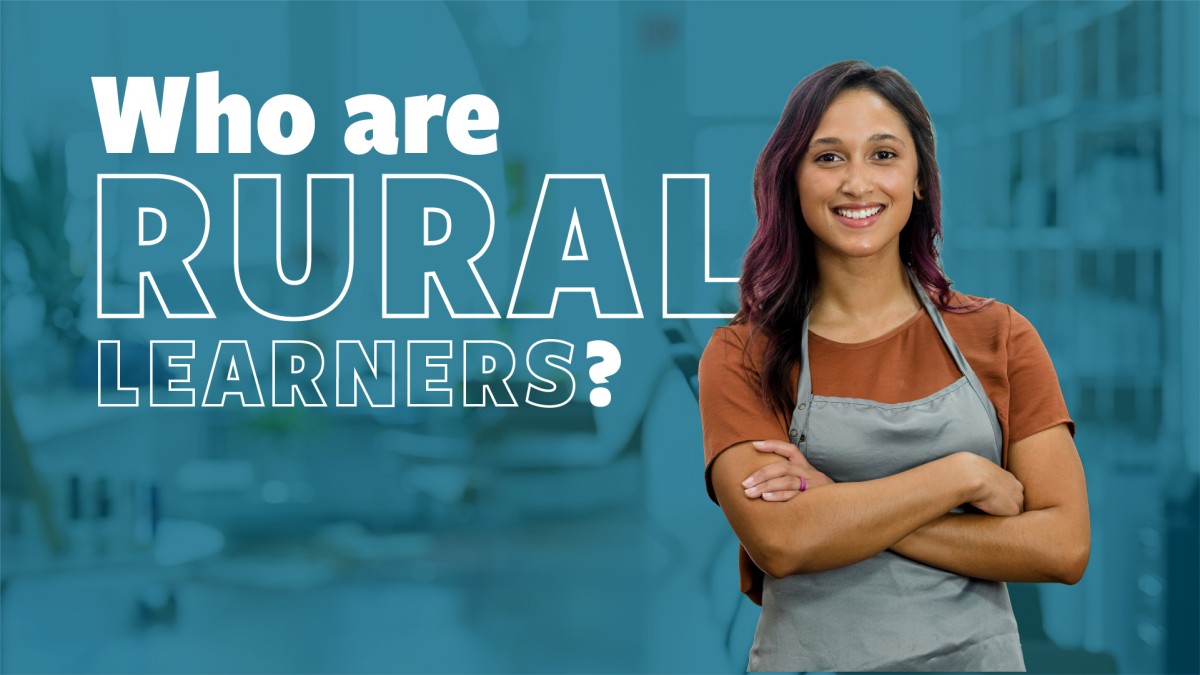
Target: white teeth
859, 214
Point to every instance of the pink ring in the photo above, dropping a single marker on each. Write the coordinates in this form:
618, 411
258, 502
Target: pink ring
803, 483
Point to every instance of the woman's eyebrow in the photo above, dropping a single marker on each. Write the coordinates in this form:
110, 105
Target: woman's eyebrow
829, 140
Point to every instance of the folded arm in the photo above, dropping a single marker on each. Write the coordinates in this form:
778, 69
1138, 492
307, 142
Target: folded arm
839, 524
1049, 542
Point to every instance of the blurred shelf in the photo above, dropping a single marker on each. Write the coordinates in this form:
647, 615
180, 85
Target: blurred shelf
1085, 115
1054, 239
1073, 138
1073, 16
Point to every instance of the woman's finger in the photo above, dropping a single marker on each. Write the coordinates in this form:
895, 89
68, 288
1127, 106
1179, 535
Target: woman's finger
781, 448
779, 496
783, 483
772, 470
786, 450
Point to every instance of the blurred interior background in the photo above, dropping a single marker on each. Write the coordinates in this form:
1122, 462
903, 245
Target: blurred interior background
579, 539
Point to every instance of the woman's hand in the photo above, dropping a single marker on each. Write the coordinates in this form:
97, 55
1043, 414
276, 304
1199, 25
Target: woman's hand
780, 481
997, 492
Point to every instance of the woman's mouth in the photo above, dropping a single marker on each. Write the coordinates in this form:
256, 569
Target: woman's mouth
859, 217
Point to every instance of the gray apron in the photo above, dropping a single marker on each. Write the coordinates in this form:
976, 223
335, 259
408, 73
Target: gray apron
888, 612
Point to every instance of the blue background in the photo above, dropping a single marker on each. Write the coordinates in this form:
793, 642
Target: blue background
577, 539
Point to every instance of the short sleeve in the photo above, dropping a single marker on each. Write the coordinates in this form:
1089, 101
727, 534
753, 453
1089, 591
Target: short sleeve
732, 409
1035, 398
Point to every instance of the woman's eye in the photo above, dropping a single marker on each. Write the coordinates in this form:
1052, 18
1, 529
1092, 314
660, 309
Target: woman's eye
882, 154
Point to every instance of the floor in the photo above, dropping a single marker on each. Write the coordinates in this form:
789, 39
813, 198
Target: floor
576, 595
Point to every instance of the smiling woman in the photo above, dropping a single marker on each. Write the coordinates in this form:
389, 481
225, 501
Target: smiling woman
888, 451
835, 170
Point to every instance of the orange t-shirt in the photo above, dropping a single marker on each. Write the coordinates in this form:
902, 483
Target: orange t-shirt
906, 363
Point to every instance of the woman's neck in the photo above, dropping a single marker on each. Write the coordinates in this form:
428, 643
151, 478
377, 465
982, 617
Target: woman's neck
862, 293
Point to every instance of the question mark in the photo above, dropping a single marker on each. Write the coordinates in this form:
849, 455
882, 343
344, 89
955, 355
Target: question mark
610, 363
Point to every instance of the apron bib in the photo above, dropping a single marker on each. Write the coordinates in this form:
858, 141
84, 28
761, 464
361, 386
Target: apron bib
889, 612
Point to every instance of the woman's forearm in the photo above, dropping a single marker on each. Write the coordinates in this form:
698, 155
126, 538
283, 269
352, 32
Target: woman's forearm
1050, 540
1045, 545
845, 523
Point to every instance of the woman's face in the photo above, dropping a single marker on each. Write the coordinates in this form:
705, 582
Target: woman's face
858, 177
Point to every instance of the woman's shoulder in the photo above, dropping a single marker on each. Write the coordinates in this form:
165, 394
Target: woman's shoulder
993, 325
733, 334
736, 343
978, 310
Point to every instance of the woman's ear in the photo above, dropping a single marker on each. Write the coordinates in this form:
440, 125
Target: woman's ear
917, 191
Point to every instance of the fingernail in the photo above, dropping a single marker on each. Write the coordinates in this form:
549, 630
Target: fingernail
767, 494
758, 444
751, 491
748, 481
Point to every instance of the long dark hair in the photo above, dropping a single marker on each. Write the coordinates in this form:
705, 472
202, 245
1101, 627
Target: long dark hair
779, 273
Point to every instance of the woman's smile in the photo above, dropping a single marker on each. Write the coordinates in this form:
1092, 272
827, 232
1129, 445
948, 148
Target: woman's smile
858, 178
858, 216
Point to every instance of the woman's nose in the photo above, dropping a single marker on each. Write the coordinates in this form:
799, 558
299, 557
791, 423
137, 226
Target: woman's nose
857, 180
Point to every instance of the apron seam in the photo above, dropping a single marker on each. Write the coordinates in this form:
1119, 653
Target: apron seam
904, 405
